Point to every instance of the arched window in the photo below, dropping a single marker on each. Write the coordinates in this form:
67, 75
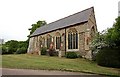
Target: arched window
43, 42
40, 41
58, 40
72, 39
49, 40
92, 32
87, 41
69, 41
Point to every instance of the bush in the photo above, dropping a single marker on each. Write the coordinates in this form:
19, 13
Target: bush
12, 46
71, 55
11, 50
21, 50
109, 57
4, 50
43, 51
51, 52
56, 53
94, 54
79, 56
7, 50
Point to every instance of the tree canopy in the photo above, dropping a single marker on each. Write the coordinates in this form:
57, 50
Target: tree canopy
109, 37
106, 46
14, 46
113, 34
35, 26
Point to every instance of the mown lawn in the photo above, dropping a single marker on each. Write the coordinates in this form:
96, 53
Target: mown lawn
26, 61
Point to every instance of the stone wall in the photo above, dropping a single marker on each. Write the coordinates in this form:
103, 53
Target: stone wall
35, 43
85, 32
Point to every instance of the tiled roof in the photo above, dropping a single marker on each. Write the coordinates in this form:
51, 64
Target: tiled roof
76, 18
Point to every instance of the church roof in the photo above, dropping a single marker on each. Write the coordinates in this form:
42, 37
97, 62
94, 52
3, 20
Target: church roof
76, 18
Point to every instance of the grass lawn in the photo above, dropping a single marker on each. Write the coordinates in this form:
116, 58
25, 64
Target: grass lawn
26, 61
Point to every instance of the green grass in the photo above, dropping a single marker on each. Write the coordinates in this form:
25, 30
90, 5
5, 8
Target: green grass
26, 61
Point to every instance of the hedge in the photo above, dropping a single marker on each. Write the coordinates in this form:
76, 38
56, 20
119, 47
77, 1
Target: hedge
109, 57
71, 55
43, 51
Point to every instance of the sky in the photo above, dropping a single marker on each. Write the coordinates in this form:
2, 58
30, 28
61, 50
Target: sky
16, 16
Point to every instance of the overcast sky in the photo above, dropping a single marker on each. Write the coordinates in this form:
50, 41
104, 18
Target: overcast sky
16, 16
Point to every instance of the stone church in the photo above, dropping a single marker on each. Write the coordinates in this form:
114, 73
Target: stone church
73, 33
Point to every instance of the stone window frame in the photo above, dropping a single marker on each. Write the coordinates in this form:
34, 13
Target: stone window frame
73, 40
73, 31
48, 40
40, 41
58, 42
43, 41
92, 32
58, 39
36, 41
87, 41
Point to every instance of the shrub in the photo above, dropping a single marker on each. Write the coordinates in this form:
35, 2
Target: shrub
11, 50
51, 52
7, 50
94, 54
109, 57
56, 53
79, 56
12, 46
43, 51
4, 50
21, 50
71, 55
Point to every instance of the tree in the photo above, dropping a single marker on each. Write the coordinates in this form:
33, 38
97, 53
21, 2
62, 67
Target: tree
12, 45
23, 44
113, 34
106, 46
99, 41
109, 37
36, 25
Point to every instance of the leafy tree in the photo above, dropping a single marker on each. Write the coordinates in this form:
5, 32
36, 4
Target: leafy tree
106, 46
35, 26
113, 34
98, 41
108, 38
4, 49
23, 44
21, 50
12, 45
22, 47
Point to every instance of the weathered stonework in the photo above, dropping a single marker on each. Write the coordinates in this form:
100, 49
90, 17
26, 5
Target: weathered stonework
85, 33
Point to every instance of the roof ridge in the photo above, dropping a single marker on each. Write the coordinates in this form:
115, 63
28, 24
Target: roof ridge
67, 16
75, 18
70, 15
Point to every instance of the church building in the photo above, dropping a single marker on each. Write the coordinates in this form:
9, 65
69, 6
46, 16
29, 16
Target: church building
73, 33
